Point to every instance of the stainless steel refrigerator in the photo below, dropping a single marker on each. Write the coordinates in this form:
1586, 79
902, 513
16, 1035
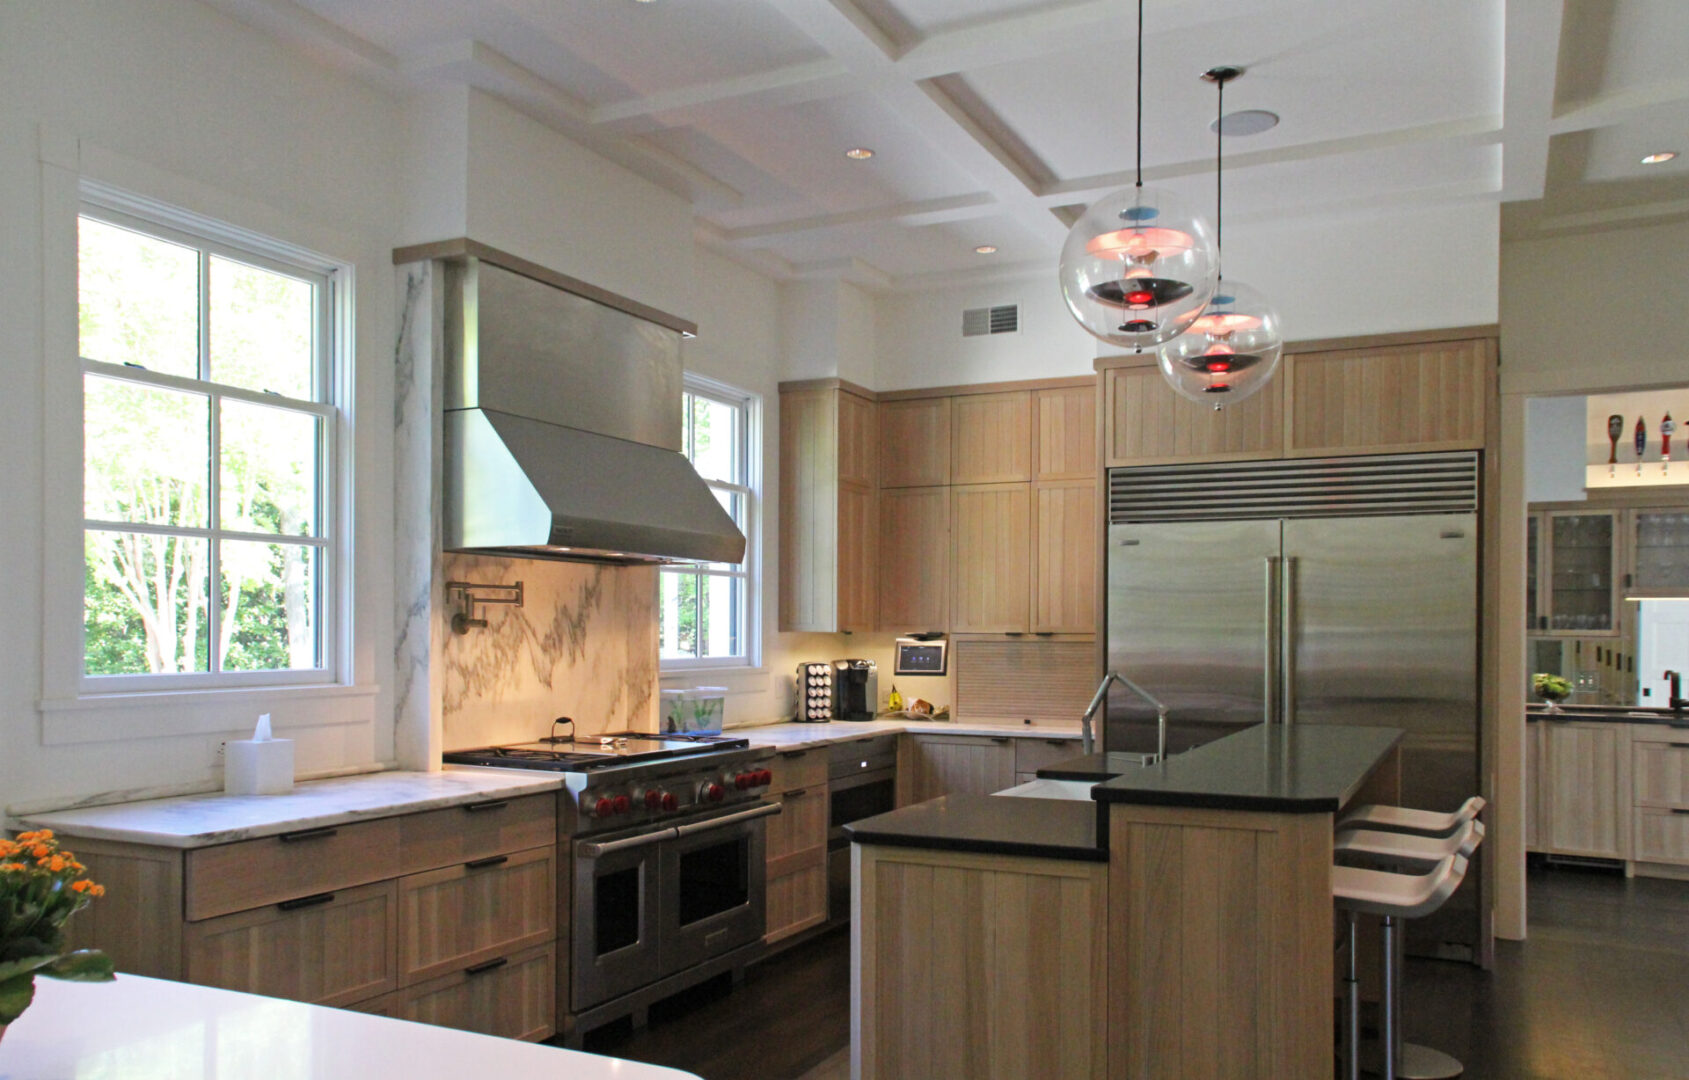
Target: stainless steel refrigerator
1329, 591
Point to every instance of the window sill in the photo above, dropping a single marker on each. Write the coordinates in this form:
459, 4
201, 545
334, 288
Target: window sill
735, 679
118, 717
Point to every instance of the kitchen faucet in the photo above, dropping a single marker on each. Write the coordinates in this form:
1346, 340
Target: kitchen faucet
1089, 745
1677, 703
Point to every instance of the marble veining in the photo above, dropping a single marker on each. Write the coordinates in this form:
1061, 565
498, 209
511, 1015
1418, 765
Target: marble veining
193, 821
792, 735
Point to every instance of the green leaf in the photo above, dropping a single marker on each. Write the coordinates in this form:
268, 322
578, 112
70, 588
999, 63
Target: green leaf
83, 965
13, 968
15, 995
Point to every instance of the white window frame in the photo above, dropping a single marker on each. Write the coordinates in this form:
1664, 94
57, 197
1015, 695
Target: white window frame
750, 570
332, 391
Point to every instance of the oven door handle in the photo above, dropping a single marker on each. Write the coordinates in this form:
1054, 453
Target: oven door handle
592, 849
730, 819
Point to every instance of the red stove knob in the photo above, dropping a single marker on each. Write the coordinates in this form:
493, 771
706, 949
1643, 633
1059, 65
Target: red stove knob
764, 777
622, 804
714, 792
653, 799
670, 802
742, 781
603, 808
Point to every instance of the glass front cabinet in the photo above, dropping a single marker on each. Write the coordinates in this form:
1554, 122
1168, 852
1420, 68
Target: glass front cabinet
1573, 588
1659, 553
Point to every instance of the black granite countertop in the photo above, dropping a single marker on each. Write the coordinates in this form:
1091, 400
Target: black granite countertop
1045, 828
1301, 768
1613, 714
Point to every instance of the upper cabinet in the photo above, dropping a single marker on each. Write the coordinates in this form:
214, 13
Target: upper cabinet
915, 442
991, 438
991, 574
915, 559
829, 520
1064, 433
1659, 552
1324, 402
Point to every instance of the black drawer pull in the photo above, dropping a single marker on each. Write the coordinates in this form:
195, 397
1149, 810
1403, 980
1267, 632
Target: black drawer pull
306, 901
1678, 745
307, 834
798, 794
793, 753
1065, 744
1004, 739
490, 860
477, 807
487, 965
1680, 810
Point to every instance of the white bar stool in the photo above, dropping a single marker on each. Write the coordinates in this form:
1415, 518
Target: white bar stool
1393, 896
1408, 820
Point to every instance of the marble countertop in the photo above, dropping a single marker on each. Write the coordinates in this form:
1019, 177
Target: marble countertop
191, 821
790, 735
138, 1027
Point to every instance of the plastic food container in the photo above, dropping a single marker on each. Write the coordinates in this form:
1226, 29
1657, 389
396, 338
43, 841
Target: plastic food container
696, 711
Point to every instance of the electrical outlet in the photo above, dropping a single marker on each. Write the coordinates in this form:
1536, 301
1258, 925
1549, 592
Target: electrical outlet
222, 752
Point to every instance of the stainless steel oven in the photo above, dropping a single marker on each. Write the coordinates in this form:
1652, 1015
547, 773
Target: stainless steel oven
861, 782
654, 901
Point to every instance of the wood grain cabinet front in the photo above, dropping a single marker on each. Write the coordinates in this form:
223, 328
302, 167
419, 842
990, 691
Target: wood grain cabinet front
991, 438
510, 996
1064, 557
915, 442
1584, 791
932, 765
829, 521
255, 873
797, 861
332, 948
991, 565
460, 834
915, 558
458, 916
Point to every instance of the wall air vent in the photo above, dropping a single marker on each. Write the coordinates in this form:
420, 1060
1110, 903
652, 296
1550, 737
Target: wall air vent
981, 321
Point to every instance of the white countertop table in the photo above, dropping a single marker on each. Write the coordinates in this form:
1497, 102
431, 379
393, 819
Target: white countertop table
153, 1029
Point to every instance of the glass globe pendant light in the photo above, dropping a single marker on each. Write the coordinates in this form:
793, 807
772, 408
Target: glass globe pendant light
1233, 347
1138, 268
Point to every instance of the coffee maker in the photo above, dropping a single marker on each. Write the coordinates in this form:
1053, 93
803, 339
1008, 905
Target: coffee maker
838, 690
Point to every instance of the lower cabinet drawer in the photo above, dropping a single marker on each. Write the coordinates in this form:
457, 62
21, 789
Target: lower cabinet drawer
460, 834
330, 949
254, 873
1662, 835
797, 900
457, 917
1661, 771
798, 769
511, 996
1033, 754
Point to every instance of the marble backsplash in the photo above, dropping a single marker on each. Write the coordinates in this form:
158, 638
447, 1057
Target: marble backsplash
584, 644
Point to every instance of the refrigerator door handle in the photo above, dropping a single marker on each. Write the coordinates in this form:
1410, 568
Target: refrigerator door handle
1287, 638
1270, 643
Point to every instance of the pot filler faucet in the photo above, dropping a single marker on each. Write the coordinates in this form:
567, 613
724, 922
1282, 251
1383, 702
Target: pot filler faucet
1677, 703
1089, 744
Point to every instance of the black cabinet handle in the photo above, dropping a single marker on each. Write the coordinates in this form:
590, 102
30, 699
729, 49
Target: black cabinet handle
793, 753
305, 902
482, 864
1063, 743
478, 807
1680, 810
486, 965
1679, 745
1004, 739
798, 794
307, 834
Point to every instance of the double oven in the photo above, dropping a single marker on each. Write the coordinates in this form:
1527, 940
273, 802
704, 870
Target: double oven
655, 901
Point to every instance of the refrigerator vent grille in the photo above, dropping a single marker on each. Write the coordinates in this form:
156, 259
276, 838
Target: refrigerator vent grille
1311, 488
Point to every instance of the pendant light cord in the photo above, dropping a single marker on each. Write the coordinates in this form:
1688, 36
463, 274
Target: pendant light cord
1140, 93
1219, 186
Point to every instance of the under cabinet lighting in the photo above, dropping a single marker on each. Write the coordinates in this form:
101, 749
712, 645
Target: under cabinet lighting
986, 249
859, 153
1660, 157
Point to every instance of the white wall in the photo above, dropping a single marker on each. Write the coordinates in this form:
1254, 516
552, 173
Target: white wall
1554, 449
827, 330
1414, 269
171, 100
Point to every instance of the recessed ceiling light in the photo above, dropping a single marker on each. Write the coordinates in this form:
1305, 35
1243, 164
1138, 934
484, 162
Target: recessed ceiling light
1245, 122
986, 249
859, 153
1659, 157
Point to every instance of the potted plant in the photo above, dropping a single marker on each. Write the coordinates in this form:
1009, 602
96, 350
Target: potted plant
41, 887
1551, 688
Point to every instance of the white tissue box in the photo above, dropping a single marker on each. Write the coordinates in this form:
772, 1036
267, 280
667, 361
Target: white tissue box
253, 767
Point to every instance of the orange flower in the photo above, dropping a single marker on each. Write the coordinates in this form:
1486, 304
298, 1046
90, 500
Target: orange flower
11, 866
36, 836
86, 886
54, 863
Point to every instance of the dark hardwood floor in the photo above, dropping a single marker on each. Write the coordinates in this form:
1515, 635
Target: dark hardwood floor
1599, 992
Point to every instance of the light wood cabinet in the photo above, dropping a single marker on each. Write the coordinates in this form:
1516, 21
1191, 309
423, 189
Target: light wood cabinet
459, 916
932, 765
797, 844
915, 442
327, 949
1584, 789
991, 438
1064, 557
1033, 754
979, 966
914, 571
1065, 433
1419, 397
1580, 559
991, 588
828, 520
255, 873
1149, 424
1661, 774
510, 996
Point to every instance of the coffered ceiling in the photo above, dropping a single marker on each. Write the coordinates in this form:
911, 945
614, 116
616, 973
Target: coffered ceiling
993, 121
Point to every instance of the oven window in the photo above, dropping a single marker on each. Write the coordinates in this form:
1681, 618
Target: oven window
714, 879
615, 909
848, 804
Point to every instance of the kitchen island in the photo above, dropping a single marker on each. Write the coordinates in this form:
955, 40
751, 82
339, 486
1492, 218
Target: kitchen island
140, 1027
1201, 944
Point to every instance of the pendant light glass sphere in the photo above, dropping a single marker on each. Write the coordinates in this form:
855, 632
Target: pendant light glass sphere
1230, 351
1138, 268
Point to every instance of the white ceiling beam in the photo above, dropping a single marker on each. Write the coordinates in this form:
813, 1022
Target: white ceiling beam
318, 38
1532, 57
792, 84
765, 262
853, 270
1609, 109
928, 212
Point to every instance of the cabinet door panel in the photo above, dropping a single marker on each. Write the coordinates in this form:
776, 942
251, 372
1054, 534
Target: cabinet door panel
915, 442
809, 511
915, 558
859, 440
1662, 772
330, 953
991, 537
1409, 397
458, 916
1662, 836
1586, 792
859, 563
1066, 433
797, 863
960, 764
513, 999
991, 438
1064, 555
1149, 424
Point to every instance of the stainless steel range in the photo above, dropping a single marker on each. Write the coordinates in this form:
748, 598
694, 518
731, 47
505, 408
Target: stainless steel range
666, 861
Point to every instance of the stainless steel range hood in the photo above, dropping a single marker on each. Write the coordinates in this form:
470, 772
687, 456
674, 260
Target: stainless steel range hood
563, 425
